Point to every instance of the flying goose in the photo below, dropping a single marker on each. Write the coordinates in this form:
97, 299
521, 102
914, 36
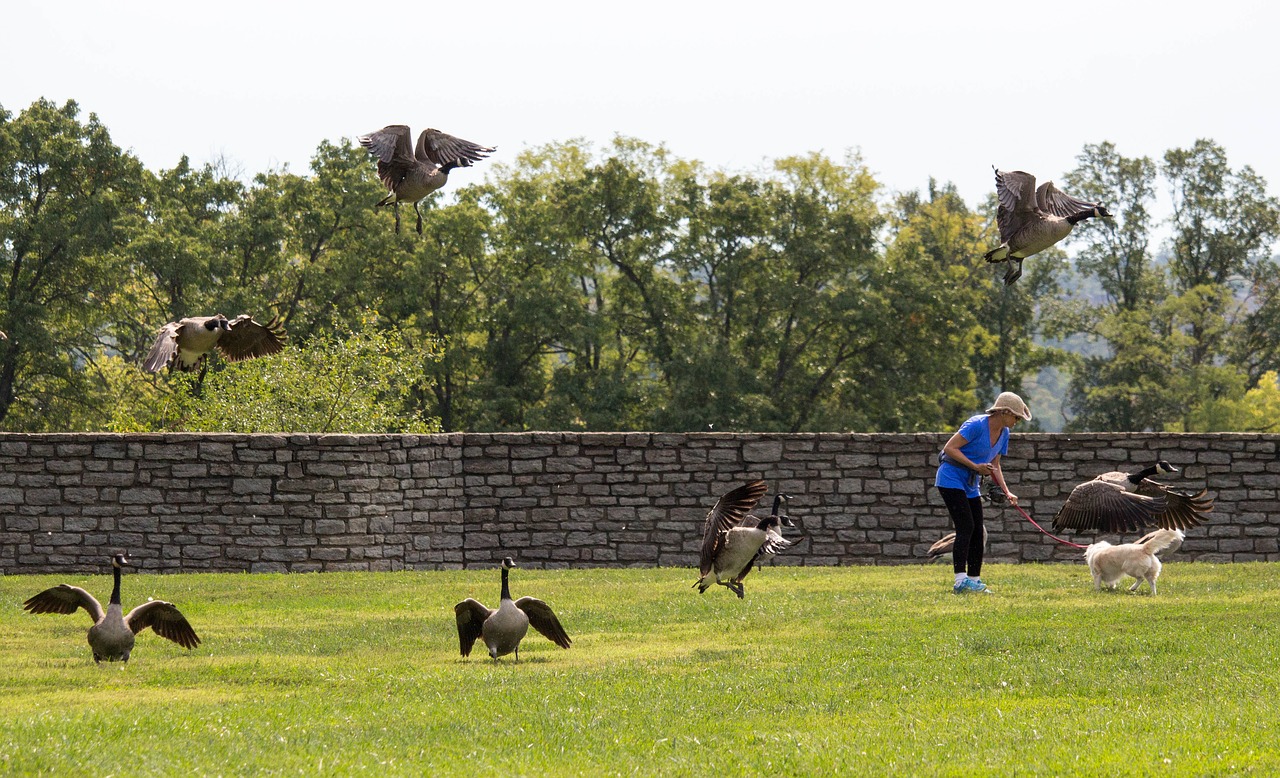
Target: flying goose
1031, 220
1125, 502
410, 173
111, 636
504, 628
731, 539
184, 345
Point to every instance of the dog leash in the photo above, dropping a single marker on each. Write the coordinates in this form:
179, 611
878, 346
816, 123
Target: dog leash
1042, 529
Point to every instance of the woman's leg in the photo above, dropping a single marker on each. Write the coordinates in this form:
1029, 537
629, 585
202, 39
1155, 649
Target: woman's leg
959, 506
976, 546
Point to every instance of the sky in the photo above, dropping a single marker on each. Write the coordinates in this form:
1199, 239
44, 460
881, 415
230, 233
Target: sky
918, 89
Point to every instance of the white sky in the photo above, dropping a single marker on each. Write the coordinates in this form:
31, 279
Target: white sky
942, 89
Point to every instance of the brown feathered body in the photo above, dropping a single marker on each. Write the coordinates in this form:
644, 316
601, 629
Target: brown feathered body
1032, 219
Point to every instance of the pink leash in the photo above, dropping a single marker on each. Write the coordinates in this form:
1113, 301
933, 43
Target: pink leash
1042, 529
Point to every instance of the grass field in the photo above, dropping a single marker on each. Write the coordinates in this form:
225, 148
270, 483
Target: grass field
820, 670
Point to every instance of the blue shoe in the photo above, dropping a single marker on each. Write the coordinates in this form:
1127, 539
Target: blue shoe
969, 585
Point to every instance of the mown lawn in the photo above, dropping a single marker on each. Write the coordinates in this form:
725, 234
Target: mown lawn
820, 670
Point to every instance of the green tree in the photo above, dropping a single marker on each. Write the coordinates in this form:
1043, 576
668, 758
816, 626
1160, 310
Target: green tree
65, 192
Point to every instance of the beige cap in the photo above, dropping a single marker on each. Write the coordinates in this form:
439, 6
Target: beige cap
1008, 401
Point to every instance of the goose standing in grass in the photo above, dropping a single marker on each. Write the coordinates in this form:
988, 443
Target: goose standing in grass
410, 173
1031, 220
1126, 502
731, 539
111, 636
504, 628
185, 345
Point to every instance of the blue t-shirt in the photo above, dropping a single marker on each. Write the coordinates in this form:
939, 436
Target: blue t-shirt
977, 430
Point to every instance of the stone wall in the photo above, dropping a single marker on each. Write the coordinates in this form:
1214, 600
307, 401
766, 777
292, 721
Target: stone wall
255, 503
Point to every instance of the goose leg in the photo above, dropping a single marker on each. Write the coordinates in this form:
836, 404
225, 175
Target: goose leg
397, 209
415, 210
1014, 272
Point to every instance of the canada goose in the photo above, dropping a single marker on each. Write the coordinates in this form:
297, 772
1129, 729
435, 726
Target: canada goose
504, 628
111, 636
409, 173
731, 539
1031, 220
947, 543
1125, 502
184, 345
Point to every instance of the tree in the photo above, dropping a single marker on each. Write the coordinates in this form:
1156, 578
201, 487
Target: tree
65, 193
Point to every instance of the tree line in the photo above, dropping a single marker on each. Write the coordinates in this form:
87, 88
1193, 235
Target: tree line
622, 288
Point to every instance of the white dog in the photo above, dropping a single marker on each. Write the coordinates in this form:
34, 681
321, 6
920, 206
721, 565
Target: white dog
1109, 563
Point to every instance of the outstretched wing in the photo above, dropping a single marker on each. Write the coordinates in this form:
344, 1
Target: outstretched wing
1052, 200
543, 619
392, 145
1184, 509
447, 151
945, 545
248, 339
471, 615
1097, 505
728, 513
165, 620
65, 598
162, 351
1016, 191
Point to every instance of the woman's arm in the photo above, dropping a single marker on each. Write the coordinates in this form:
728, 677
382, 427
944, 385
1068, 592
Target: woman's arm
997, 475
953, 452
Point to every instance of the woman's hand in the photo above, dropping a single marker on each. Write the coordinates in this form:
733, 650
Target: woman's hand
985, 469
1013, 498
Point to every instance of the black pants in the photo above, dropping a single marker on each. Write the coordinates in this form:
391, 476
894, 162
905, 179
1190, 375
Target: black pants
966, 515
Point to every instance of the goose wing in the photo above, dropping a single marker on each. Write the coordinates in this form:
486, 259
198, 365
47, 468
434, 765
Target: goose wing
728, 513
1051, 199
165, 620
1016, 192
248, 339
1098, 505
65, 598
773, 545
471, 615
1183, 509
392, 145
444, 149
543, 619
163, 350
945, 545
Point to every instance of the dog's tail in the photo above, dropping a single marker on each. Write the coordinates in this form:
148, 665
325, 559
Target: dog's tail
1160, 540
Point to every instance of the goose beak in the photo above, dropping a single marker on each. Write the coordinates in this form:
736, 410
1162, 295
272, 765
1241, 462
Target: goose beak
787, 522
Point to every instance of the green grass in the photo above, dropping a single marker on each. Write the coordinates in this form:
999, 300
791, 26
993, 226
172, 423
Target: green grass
820, 670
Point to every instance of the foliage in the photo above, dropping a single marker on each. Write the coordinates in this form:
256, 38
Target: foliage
820, 671
356, 383
619, 287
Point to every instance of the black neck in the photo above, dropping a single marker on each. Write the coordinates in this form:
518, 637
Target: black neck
1146, 472
506, 588
115, 590
1076, 218
777, 500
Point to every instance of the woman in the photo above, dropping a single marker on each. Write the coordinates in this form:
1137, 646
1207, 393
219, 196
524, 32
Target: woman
972, 452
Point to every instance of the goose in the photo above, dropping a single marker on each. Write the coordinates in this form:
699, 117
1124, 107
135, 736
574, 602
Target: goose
111, 636
410, 173
1031, 220
184, 345
1124, 502
504, 628
947, 543
731, 539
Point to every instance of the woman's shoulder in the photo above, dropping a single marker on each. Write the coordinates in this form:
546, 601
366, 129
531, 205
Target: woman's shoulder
977, 420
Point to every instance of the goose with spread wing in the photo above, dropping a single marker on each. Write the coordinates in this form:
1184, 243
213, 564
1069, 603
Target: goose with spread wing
503, 629
184, 345
1126, 502
410, 172
1031, 220
732, 539
112, 635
